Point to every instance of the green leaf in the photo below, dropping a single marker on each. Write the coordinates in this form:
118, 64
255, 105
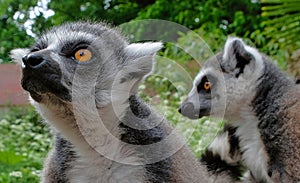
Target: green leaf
9, 157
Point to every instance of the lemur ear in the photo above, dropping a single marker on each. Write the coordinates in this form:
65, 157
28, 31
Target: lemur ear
236, 56
143, 49
17, 54
140, 59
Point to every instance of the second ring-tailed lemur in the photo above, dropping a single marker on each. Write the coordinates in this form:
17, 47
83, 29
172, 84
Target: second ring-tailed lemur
82, 78
260, 102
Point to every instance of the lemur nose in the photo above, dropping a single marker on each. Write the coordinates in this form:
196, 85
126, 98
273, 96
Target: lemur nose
179, 110
186, 108
33, 60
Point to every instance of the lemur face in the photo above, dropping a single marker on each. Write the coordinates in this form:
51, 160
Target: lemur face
225, 83
78, 59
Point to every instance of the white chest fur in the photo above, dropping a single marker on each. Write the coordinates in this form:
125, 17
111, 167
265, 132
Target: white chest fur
254, 154
93, 167
99, 169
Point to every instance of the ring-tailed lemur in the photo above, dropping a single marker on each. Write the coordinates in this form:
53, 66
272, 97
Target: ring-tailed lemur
82, 78
259, 101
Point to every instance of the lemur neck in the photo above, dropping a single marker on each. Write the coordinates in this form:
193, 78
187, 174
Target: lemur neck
273, 84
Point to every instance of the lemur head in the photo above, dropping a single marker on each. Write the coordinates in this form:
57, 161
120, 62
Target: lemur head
225, 83
83, 57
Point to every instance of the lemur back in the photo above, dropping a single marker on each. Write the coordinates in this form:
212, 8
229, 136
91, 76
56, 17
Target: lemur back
245, 88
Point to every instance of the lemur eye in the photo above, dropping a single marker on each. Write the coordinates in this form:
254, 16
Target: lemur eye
206, 85
83, 55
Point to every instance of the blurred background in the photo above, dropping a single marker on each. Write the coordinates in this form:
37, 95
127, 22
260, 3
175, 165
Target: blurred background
272, 26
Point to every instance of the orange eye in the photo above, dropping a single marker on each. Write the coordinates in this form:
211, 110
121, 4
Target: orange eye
83, 55
206, 85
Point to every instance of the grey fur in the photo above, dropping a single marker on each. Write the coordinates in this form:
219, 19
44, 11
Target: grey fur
104, 132
260, 101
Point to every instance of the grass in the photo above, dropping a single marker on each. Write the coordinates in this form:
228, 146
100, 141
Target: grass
24, 144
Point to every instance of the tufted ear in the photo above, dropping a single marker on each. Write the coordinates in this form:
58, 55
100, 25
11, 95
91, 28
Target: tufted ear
140, 58
17, 54
237, 56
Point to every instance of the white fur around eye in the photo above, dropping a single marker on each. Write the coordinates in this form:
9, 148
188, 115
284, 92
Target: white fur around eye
201, 74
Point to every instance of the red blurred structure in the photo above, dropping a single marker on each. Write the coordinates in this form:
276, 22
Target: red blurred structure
11, 92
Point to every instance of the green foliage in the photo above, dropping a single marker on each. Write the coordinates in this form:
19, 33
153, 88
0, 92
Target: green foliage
283, 20
11, 36
13, 32
225, 17
193, 14
24, 144
113, 11
209, 15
